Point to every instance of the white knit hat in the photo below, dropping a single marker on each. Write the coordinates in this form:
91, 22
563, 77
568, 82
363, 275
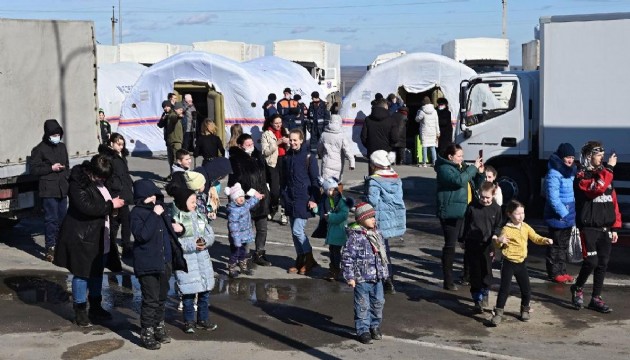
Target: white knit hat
380, 158
330, 183
234, 192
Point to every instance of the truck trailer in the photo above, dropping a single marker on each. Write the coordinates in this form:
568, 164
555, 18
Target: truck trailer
480, 54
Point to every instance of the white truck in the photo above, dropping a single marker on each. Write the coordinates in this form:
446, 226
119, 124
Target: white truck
518, 119
48, 71
320, 58
480, 54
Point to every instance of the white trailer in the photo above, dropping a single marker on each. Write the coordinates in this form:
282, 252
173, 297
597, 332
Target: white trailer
48, 71
480, 54
531, 55
320, 58
235, 50
580, 94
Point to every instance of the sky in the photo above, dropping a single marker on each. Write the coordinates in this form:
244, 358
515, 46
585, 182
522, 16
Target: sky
364, 29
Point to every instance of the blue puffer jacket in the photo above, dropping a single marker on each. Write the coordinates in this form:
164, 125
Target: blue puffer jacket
240, 221
358, 260
384, 192
301, 184
560, 206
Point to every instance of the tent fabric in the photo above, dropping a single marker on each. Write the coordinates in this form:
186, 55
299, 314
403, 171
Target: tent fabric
114, 82
244, 86
416, 72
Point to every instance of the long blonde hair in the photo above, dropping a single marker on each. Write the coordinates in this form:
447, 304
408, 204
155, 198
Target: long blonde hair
208, 127
236, 130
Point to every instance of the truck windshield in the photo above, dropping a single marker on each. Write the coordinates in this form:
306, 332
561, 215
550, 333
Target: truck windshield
487, 100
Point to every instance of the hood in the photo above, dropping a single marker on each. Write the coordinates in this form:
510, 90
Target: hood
379, 114
428, 109
180, 197
144, 188
176, 168
556, 163
51, 126
79, 174
335, 124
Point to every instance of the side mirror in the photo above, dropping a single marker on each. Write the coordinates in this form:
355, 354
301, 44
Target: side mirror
467, 133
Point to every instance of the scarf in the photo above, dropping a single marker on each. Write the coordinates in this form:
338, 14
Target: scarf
378, 247
108, 197
278, 134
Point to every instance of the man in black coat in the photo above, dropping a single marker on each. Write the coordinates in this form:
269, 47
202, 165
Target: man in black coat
400, 123
378, 132
49, 161
318, 117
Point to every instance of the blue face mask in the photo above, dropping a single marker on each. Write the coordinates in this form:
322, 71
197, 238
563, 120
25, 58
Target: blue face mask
55, 139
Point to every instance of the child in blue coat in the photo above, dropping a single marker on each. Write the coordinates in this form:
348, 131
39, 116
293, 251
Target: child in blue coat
335, 211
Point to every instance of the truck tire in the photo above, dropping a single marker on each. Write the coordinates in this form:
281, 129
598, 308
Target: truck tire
514, 185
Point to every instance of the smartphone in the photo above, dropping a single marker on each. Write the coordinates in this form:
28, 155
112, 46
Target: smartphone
481, 153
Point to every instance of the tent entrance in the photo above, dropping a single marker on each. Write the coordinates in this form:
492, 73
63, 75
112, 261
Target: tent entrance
414, 103
208, 102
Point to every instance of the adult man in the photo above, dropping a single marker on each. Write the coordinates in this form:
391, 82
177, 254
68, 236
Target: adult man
163, 123
288, 109
106, 128
269, 107
378, 132
189, 123
49, 161
175, 131
318, 117
598, 219
172, 98
400, 124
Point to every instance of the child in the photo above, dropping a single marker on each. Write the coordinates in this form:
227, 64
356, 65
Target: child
365, 268
197, 183
513, 245
335, 211
156, 253
240, 227
183, 160
199, 279
491, 177
482, 226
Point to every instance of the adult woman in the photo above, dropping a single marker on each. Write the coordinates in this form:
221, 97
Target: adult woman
84, 246
332, 145
456, 184
300, 195
429, 130
119, 184
559, 213
446, 126
236, 130
209, 145
248, 169
274, 147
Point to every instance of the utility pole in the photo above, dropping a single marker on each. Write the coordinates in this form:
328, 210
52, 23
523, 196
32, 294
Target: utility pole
504, 32
114, 21
119, 24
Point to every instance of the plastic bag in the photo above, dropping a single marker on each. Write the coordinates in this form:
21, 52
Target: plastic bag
575, 247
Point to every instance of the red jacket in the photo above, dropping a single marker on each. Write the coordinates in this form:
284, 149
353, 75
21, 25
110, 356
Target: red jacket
596, 199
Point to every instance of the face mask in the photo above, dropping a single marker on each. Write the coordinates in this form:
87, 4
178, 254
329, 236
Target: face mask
249, 151
441, 107
55, 139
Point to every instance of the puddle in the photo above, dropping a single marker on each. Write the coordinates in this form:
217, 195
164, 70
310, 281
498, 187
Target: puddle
92, 349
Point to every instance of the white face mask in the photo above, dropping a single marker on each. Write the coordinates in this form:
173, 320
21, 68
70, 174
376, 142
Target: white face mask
55, 139
249, 151
441, 107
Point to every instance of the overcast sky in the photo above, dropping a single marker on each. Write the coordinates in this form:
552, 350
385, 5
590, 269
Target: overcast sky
363, 28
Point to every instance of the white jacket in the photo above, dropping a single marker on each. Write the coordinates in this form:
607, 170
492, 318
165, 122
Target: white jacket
333, 146
429, 125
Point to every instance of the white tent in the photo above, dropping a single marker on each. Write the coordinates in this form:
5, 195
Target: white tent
242, 88
415, 73
114, 82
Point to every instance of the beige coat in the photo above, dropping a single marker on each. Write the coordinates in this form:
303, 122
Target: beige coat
269, 148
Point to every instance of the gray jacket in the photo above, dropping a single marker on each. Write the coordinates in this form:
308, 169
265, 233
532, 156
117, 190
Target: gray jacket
333, 147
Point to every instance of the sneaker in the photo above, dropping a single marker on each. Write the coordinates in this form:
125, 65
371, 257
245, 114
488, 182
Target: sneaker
560, 279
598, 304
189, 328
569, 278
205, 325
180, 307
50, 254
577, 297
376, 333
283, 220
478, 309
365, 338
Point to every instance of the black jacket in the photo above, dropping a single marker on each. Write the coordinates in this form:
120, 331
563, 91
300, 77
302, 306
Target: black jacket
43, 156
378, 132
149, 231
209, 146
481, 223
446, 129
163, 123
120, 183
80, 244
400, 130
250, 172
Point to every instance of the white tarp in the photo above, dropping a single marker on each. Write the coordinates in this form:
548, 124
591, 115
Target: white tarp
114, 82
237, 51
417, 72
244, 86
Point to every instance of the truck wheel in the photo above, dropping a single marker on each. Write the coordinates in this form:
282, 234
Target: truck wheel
514, 185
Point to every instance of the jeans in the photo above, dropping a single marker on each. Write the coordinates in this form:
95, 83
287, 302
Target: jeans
154, 288
203, 301
260, 223
300, 240
54, 211
424, 154
368, 306
598, 244
519, 271
121, 221
558, 252
93, 286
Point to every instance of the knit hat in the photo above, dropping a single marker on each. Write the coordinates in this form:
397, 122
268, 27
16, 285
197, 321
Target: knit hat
297, 97
379, 158
272, 97
234, 192
166, 103
194, 180
180, 197
564, 150
364, 211
287, 90
330, 183
315, 95
178, 105
378, 96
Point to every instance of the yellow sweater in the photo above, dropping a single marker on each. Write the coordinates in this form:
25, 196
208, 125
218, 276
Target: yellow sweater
516, 248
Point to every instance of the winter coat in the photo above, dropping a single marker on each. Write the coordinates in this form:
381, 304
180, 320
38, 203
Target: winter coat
337, 220
446, 128
250, 171
481, 223
516, 248
269, 145
209, 146
333, 147
358, 260
200, 275
178, 179
384, 192
378, 132
44, 156
595, 199
120, 183
559, 210
429, 125
301, 186
318, 111
400, 130
188, 121
240, 221
269, 111
151, 231
175, 130
163, 124
454, 185
106, 131
393, 107
290, 111
81, 241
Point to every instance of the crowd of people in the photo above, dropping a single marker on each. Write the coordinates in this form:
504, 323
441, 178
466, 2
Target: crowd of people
85, 206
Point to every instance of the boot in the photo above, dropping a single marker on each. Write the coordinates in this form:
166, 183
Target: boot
332, 274
525, 313
96, 312
261, 259
299, 263
81, 316
309, 263
388, 286
498, 316
448, 255
160, 333
148, 339
242, 265
233, 270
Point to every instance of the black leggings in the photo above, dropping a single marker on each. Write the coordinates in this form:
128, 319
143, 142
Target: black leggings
121, 221
519, 271
597, 244
274, 176
558, 252
452, 229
